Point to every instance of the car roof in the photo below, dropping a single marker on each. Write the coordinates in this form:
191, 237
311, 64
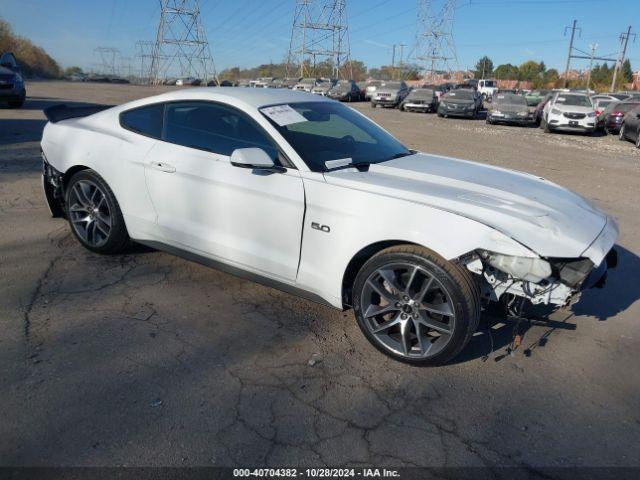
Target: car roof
253, 97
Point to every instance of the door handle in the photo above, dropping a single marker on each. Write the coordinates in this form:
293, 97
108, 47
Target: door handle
163, 167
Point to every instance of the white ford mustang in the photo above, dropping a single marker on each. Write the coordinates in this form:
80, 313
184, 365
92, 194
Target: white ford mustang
306, 194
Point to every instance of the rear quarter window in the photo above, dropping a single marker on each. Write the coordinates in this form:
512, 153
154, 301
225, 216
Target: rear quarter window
144, 120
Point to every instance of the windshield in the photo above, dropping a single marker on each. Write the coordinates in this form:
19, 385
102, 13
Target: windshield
574, 100
391, 85
489, 83
625, 107
460, 95
424, 93
510, 99
343, 86
324, 131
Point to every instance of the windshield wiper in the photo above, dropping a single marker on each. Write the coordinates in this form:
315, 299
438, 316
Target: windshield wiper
358, 165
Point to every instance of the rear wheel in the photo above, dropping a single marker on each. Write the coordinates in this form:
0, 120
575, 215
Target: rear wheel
621, 134
415, 306
94, 214
18, 103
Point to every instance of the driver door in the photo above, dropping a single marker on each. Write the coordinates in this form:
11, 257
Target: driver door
247, 218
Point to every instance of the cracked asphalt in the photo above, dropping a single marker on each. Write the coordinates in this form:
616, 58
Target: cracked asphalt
145, 359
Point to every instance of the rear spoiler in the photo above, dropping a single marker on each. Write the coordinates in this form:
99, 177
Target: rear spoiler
56, 113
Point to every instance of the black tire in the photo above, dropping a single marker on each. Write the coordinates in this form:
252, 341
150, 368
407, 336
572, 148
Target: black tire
20, 102
117, 239
440, 115
373, 105
621, 135
545, 126
462, 291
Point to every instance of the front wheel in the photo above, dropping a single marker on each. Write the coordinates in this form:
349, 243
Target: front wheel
415, 306
621, 135
94, 214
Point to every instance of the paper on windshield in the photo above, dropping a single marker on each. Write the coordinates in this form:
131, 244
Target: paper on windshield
283, 115
329, 164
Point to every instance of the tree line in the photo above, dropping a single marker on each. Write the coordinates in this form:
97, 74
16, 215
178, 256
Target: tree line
33, 60
541, 77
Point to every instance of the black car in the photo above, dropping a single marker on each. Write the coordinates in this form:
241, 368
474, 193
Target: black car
12, 89
460, 103
615, 114
345, 91
630, 128
509, 108
537, 114
420, 100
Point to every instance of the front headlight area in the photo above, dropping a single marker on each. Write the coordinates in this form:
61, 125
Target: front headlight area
541, 281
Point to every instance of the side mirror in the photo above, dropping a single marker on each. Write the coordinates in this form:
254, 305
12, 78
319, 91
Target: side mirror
254, 158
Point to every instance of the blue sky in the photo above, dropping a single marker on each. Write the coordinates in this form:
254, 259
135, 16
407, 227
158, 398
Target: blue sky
249, 32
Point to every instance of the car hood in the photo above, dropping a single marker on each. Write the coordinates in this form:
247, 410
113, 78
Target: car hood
392, 91
572, 108
546, 218
458, 101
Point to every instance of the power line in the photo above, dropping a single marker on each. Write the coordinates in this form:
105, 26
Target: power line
434, 41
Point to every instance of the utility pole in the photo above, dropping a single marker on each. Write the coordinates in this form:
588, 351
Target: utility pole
393, 57
593, 48
402, 45
624, 41
573, 33
319, 32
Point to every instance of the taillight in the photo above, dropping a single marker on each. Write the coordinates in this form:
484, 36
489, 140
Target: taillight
617, 114
598, 112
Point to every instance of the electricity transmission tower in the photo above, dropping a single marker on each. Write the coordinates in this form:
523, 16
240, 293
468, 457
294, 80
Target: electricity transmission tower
181, 46
107, 60
319, 38
144, 54
435, 47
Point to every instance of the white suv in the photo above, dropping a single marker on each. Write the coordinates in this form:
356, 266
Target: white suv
572, 112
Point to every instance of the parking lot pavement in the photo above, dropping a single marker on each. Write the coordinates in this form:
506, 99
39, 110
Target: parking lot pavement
146, 359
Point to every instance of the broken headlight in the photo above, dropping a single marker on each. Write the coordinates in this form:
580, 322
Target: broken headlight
530, 269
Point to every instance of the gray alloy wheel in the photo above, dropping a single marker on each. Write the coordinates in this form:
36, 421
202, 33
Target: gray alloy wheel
408, 310
621, 135
94, 214
638, 139
415, 306
89, 213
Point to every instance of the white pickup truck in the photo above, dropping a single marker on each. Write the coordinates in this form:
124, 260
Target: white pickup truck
487, 88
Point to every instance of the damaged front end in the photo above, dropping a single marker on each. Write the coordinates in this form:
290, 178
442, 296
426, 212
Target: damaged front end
53, 186
550, 281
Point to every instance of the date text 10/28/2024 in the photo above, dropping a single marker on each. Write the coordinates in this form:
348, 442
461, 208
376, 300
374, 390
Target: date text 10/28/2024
315, 473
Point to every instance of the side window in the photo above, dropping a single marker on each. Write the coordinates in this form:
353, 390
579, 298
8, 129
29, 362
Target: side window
214, 128
144, 120
9, 59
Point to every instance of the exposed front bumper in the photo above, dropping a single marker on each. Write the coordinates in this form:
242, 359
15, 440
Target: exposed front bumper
422, 107
510, 118
385, 101
457, 112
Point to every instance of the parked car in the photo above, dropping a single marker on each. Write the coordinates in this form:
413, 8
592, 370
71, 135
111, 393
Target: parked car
263, 82
460, 103
630, 128
389, 94
324, 85
362, 85
188, 81
534, 97
613, 116
600, 104
283, 200
12, 87
510, 109
487, 88
289, 82
372, 86
345, 91
570, 112
420, 100
537, 113
306, 84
